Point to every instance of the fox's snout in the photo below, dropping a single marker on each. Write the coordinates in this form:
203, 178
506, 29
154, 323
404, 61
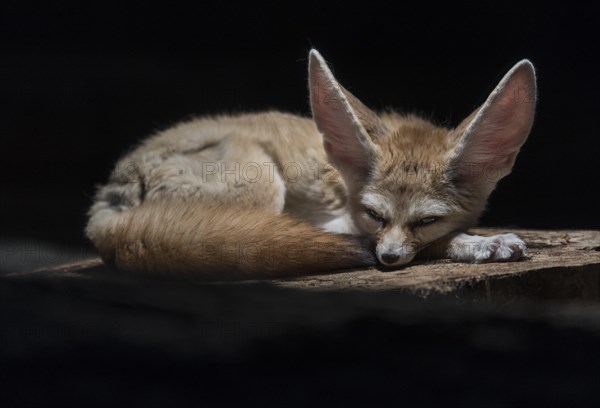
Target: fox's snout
394, 256
389, 259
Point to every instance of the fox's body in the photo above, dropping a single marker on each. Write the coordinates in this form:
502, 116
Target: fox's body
273, 193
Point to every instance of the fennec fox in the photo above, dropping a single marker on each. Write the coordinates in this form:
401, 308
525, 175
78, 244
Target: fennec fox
275, 194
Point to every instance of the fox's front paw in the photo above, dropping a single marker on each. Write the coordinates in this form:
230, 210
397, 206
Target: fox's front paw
498, 248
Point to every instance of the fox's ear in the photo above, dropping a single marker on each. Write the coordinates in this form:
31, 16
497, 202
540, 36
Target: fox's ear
349, 128
490, 138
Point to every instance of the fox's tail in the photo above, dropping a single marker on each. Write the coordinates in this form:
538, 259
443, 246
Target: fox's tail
216, 242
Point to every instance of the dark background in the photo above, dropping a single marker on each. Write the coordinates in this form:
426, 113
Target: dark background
81, 83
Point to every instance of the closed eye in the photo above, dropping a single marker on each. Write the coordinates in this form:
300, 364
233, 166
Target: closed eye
375, 215
426, 221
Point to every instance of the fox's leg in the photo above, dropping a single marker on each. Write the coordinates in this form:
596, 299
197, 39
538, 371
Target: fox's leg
462, 247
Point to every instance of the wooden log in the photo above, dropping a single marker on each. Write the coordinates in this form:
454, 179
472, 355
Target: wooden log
113, 337
560, 261
560, 265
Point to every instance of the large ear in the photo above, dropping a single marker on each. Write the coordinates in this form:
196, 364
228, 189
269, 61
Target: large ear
349, 128
490, 138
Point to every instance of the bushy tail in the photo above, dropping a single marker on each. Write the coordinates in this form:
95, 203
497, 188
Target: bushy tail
216, 242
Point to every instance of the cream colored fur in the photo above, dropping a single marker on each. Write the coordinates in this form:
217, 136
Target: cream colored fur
274, 194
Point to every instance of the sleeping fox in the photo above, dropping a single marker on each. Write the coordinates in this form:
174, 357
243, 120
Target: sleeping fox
274, 194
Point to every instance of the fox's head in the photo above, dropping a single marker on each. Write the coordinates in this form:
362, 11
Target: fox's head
410, 182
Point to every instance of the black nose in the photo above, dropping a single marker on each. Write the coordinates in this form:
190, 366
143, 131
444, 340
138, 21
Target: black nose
389, 258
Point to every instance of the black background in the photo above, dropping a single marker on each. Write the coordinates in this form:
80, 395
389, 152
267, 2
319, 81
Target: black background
81, 83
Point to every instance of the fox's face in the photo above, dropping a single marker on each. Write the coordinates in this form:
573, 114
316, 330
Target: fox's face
410, 200
401, 224
410, 182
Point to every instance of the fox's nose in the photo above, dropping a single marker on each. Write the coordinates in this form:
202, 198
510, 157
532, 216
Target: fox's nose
389, 259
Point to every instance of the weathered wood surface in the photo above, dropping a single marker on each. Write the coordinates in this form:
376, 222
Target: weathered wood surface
560, 264
551, 252
83, 335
